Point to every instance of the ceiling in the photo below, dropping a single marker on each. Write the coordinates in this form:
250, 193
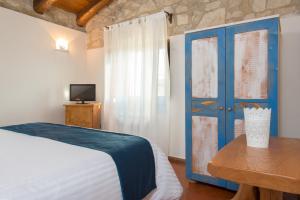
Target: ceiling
83, 9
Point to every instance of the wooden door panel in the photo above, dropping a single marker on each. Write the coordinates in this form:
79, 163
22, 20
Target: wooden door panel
239, 127
205, 107
238, 111
227, 69
251, 74
205, 68
251, 65
251, 71
204, 142
205, 101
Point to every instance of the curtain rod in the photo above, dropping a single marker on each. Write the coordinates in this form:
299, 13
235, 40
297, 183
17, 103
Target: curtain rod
169, 16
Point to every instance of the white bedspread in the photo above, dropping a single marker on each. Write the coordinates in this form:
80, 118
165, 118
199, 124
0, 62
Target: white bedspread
41, 169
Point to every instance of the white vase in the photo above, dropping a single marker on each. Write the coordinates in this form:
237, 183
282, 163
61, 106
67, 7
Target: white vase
257, 127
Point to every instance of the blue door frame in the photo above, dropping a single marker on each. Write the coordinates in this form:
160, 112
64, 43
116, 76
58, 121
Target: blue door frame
271, 102
272, 26
226, 88
196, 103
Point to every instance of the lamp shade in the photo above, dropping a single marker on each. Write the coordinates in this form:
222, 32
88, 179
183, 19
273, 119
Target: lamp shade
61, 44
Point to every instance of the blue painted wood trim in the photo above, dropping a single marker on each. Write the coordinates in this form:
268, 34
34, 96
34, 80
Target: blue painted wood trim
272, 101
227, 59
188, 105
210, 111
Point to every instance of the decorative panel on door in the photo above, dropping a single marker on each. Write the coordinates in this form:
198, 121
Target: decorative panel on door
227, 69
205, 68
251, 79
205, 86
251, 67
204, 142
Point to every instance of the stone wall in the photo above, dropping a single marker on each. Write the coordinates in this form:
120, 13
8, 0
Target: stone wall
54, 15
187, 14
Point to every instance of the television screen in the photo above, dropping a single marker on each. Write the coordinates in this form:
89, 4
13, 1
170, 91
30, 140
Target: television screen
82, 92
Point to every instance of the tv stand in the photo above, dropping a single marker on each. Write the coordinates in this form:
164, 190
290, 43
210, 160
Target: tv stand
84, 115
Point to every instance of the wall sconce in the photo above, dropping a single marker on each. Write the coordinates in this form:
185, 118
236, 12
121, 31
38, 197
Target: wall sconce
62, 45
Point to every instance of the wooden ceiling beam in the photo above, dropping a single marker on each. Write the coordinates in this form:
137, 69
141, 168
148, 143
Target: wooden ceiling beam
90, 11
41, 6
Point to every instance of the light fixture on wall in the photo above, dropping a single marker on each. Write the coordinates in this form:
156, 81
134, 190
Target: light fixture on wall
62, 44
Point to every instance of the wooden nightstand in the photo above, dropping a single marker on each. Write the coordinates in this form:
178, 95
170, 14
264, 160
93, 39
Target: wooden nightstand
83, 115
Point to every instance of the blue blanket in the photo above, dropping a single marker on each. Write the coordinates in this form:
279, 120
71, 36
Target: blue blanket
132, 155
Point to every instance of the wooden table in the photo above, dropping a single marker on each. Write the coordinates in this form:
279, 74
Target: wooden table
262, 173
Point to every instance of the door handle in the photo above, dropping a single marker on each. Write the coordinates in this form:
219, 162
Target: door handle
229, 109
220, 108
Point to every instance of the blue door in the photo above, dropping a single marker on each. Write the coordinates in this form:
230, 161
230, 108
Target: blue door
227, 69
205, 102
251, 73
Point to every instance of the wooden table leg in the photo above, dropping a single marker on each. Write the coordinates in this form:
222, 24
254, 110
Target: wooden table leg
266, 194
246, 192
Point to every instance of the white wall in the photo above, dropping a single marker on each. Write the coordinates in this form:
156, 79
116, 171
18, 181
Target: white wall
34, 76
95, 66
289, 77
177, 109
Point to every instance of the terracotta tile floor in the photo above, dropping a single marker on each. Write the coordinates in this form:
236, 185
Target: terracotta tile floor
198, 191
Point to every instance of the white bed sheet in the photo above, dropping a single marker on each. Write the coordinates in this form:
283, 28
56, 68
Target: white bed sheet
34, 168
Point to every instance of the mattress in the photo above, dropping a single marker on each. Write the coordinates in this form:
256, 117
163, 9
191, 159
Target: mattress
39, 168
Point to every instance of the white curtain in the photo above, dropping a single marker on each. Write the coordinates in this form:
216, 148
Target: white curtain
137, 79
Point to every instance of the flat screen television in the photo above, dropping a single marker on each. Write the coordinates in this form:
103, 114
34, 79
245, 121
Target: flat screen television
82, 92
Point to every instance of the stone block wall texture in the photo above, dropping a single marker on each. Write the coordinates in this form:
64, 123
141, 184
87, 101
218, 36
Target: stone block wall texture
187, 14
55, 15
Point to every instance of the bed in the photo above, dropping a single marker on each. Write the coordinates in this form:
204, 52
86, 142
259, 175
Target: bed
41, 168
